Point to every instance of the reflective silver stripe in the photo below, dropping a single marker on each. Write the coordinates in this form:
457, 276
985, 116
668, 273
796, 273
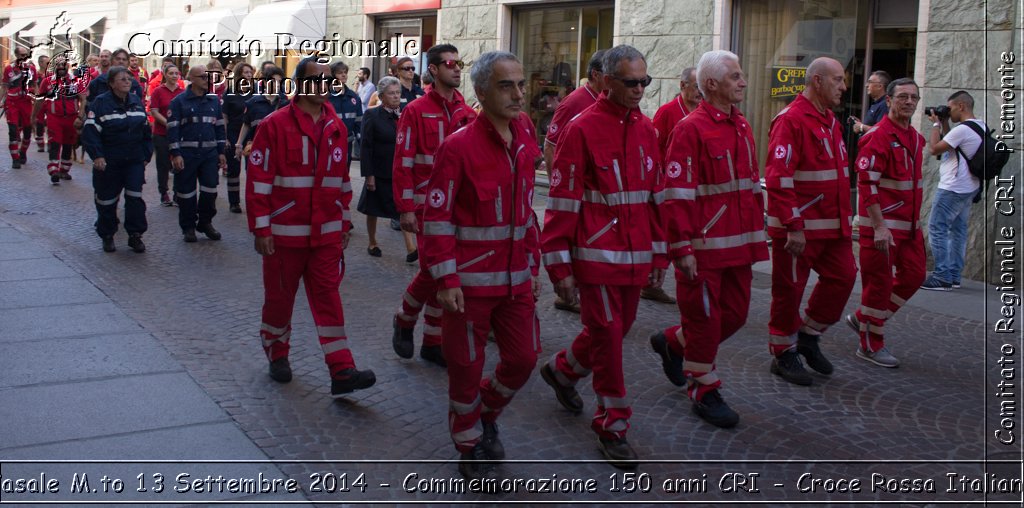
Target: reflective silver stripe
874, 176
564, 205
333, 181
334, 346
209, 144
433, 311
174, 146
484, 279
679, 245
706, 298
405, 317
331, 331
272, 329
617, 198
577, 367
345, 186
900, 225
419, 199
350, 115
612, 256
136, 113
407, 162
809, 224
724, 188
408, 137
468, 435
469, 337
208, 190
330, 227
616, 426
728, 242
407, 194
785, 182
266, 158
781, 340
485, 234
443, 268
281, 210
186, 196
556, 257
289, 230
132, 194
463, 408
875, 313
903, 185
659, 197
294, 182
346, 215
305, 150
659, 247
505, 391
697, 366
263, 221
613, 402
116, 116
677, 193
172, 123
707, 379
422, 158
897, 300
98, 127
821, 175
283, 339
106, 202
411, 301
431, 330
438, 228
607, 306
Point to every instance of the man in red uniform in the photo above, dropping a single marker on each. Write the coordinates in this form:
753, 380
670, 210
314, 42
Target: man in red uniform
480, 240
423, 125
889, 193
39, 117
670, 113
298, 206
603, 234
62, 97
810, 222
715, 229
567, 110
16, 96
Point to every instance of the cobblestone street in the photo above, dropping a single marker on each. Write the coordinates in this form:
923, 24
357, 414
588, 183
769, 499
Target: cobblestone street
202, 301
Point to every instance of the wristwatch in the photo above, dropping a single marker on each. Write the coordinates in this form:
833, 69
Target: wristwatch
936, 124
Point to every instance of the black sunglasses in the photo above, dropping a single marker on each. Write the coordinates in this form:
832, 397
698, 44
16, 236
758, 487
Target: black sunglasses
633, 83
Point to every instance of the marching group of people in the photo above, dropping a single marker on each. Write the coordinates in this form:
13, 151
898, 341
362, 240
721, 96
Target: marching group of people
628, 198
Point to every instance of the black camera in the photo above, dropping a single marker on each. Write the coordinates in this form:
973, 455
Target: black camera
940, 111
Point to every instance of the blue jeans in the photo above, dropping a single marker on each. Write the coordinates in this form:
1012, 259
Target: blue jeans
947, 233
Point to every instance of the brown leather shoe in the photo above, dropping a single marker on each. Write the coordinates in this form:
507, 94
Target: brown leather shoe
561, 304
656, 294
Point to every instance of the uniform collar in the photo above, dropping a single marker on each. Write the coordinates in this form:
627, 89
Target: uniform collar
457, 99
804, 105
519, 135
189, 94
305, 120
606, 104
718, 116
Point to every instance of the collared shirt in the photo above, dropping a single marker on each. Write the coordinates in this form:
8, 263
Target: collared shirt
876, 111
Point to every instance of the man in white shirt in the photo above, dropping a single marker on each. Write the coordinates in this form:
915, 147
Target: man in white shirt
951, 208
364, 86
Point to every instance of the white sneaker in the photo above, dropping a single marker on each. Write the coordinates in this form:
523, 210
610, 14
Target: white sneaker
881, 357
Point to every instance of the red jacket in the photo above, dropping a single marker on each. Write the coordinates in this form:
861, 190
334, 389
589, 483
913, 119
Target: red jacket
298, 188
807, 174
570, 107
714, 207
889, 174
422, 127
602, 223
479, 228
666, 118
62, 95
19, 81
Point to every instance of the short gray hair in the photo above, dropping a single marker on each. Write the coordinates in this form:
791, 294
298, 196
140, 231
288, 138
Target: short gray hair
612, 57
387, 81
483, 67
688, 74
114, 72
712, 66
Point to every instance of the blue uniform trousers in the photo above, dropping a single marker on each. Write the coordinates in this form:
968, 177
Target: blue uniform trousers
201, 169
120, 175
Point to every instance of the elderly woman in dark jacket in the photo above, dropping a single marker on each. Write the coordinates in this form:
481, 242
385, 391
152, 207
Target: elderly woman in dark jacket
378, 152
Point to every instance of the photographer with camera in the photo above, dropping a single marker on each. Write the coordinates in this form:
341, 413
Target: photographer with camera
951, 207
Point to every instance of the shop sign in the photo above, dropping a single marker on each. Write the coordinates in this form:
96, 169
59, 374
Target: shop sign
787, 81
380, 6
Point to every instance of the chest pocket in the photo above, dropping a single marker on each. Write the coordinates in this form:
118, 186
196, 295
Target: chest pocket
490, 198
903, 162
432, 131
609, 173
722, 169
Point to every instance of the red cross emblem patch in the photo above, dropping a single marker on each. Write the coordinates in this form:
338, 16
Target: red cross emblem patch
862, 163
674, 169
780, 152
337, 155
556, 178
436, 198
256, 158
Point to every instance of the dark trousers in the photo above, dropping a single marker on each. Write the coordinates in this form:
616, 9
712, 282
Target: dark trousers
203, 170
108, 184
163, 162
234, 173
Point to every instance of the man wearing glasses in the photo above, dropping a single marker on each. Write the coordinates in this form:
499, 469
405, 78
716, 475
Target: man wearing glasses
877, 83
422, 126
405, 71
602, 241
889, 193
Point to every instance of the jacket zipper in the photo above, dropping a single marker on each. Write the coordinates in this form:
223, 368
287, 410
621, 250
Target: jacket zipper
704, 232
602, 231
750, 154
497, 206
643, 163
689, 169
572, 172
282, 209
728, 160
476, 260
618, 174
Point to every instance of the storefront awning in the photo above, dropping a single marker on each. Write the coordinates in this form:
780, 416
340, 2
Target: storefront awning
116, 37
83, 22
15, 25
221, 24
140, 39
286, 24
78, 23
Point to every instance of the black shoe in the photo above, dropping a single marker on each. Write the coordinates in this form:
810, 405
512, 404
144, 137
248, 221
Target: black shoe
207, 229
108, 244
135, 243
16, 164
567, 396
281, 370
807, 345
236, 208
715, 411
412, 257
64, 175
671, 363
40, 149
396, 225
433, 354
561, 304
349, 380
619, 453
55, 178
788, 366
491, 444
165, 199
401, 340
474, 465
190, 236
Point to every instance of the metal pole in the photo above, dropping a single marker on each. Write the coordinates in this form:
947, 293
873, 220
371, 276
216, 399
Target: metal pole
869, 42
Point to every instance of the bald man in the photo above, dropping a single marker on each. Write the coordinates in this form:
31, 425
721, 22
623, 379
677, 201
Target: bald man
809, 221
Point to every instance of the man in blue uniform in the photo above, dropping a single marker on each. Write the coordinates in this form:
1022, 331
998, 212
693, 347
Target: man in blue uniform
101, 84
196, 137
346, 104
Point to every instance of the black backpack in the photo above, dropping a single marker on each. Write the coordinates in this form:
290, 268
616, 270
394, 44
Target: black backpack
987, 161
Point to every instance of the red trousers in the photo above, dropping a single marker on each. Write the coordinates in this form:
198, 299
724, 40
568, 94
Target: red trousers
713, 306
321, 270
837, 272
883, 292
19, 111
421, 295
61, 129
472, 398
607, 313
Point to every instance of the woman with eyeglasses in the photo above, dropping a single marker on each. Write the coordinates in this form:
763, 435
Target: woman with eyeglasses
405, 71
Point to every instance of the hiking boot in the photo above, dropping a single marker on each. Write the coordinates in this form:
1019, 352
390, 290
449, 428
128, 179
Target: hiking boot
807, 345
108, 244
671, 363
474, 465
656, 294
619, 453
207, 229
715, 411
236, 208
135, 243
933, 284
165, 199
788, 367
491, 444
567, 396
853, 323
55, 178
190, 236
281, 370
433, 354
64, 175
349, 380
401, 340
561, 304
16, 164
881, 357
